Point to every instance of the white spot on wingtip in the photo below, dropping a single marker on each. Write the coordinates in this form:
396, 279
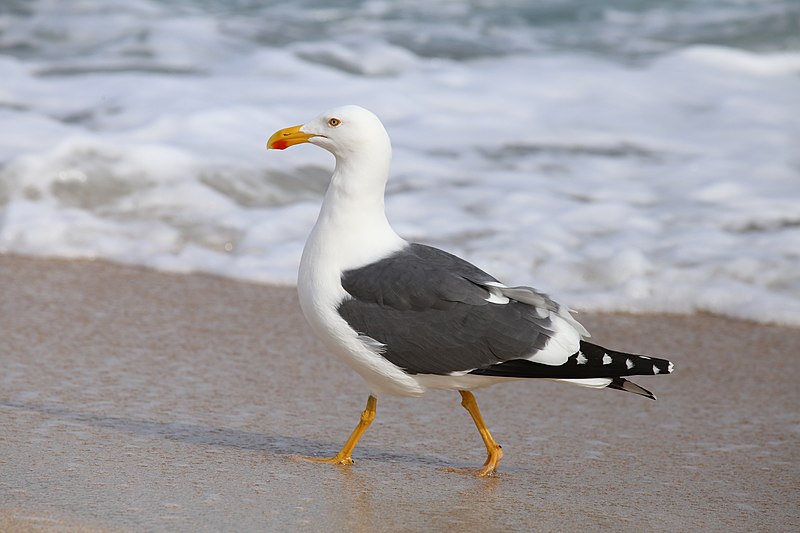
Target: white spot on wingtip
628, 363
582, 360
655, 369
606, 359
670, 367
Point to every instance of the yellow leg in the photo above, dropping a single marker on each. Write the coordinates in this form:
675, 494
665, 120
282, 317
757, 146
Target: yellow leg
494, 450
344, 455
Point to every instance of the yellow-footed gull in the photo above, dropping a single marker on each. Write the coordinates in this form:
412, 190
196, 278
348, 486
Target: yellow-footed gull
408, 317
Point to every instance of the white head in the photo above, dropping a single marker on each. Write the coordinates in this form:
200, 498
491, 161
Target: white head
346, 132
352, 229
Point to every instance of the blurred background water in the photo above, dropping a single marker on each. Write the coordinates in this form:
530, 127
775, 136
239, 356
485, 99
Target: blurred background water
623, 155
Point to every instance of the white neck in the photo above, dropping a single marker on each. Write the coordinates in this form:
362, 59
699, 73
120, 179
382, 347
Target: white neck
352, 229
362, 176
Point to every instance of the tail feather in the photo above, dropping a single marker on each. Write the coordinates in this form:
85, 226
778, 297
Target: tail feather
629, 386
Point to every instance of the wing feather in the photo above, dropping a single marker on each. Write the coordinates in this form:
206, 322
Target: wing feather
434, 313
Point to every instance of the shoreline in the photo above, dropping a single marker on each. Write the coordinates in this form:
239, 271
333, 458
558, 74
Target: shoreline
137, 399
110, 263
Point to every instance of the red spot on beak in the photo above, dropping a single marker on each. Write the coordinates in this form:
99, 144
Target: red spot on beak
280, 145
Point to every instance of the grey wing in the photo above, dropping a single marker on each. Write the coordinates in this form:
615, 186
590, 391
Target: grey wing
436, 313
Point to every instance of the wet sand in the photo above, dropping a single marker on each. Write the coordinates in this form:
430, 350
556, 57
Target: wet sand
133, 400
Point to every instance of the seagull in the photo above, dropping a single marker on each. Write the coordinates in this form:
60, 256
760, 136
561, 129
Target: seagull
409, 317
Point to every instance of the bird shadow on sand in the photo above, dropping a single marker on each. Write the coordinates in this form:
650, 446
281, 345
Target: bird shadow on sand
200, 435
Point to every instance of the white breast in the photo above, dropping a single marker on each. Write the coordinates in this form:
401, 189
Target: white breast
344, 239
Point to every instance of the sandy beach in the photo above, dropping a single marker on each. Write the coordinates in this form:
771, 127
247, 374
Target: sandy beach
134, 400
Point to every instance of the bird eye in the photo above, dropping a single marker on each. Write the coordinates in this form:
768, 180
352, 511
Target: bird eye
334, 122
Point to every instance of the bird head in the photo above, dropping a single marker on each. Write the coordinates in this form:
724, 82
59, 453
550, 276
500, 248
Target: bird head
341, 131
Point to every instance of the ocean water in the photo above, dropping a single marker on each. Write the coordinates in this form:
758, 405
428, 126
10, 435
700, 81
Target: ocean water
630, 155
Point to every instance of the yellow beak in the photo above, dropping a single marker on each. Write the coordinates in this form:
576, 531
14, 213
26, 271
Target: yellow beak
287, 137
